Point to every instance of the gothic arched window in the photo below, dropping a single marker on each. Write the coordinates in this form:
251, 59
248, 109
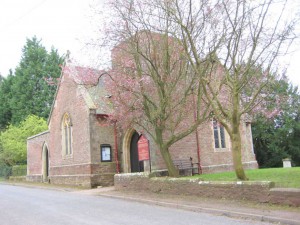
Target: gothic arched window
66, 128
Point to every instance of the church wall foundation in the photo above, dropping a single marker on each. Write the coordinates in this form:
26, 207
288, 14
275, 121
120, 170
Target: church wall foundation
85, 175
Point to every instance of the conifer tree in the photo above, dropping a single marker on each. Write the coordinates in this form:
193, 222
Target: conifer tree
34, 82
5, 96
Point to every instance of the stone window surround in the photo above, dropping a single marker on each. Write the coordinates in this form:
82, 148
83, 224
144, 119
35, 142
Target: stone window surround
225, 137
66, 132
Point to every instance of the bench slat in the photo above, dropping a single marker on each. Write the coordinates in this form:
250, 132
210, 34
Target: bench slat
184, 164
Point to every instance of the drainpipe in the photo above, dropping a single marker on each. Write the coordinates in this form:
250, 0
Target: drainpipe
116, 148
197, 138
198, 152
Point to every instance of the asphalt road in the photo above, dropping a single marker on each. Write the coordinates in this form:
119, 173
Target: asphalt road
33, 206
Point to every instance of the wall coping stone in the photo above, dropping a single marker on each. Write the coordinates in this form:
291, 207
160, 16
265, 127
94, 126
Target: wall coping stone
141, 174
296, 190
269, 184
37, 135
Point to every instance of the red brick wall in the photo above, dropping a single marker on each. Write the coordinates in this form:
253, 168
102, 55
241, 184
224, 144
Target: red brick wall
83, 166
87, 136
69, 100
34, 155
212, 160
71, 169
63, 169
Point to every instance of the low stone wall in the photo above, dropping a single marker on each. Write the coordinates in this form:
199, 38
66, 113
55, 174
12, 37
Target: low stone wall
287, 196
246, 190
17, 178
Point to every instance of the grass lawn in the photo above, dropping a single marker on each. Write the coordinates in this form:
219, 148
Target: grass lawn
283, 177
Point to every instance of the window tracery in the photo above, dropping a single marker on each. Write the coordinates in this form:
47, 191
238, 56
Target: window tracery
219, 135
66, 135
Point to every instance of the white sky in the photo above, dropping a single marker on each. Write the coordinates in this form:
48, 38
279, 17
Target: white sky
63, 24
66, 25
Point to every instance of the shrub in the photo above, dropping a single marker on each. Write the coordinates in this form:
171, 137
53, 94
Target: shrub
13, 141
19, 170
5, 170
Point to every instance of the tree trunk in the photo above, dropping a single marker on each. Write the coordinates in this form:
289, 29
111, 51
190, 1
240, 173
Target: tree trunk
173, 171
236, 153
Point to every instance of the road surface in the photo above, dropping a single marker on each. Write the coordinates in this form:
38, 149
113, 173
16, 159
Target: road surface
34, 206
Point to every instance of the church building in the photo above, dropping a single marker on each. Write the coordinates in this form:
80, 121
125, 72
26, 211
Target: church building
81, 148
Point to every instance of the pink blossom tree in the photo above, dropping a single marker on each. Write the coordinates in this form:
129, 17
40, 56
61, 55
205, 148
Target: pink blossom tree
222, 53
153, 90
242, 41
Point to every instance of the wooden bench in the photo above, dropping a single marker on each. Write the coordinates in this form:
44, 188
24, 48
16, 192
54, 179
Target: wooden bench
186, 167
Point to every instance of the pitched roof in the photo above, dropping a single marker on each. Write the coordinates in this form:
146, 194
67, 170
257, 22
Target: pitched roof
83, 75
90, 86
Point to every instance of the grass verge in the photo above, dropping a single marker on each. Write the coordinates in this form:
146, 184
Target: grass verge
283, 177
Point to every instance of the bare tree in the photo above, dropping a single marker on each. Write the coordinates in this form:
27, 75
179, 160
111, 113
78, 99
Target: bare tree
221, 52
244, 41
151, 83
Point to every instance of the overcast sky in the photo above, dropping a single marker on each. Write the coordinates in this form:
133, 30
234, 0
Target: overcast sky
66, 25
63, 24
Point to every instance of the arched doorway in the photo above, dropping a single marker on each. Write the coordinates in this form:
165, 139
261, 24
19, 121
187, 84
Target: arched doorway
45, 163
134, 158
130, 152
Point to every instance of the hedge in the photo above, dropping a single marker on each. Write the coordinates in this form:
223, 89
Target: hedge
19, 170
5, 170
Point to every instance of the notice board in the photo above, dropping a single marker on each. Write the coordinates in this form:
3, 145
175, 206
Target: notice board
143, 148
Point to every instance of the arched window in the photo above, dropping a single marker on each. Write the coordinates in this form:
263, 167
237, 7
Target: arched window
219, 135
66, 128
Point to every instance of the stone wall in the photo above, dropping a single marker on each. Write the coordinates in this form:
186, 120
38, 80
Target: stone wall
261, 192
18, 178
103, 174
286, 196
100, 133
